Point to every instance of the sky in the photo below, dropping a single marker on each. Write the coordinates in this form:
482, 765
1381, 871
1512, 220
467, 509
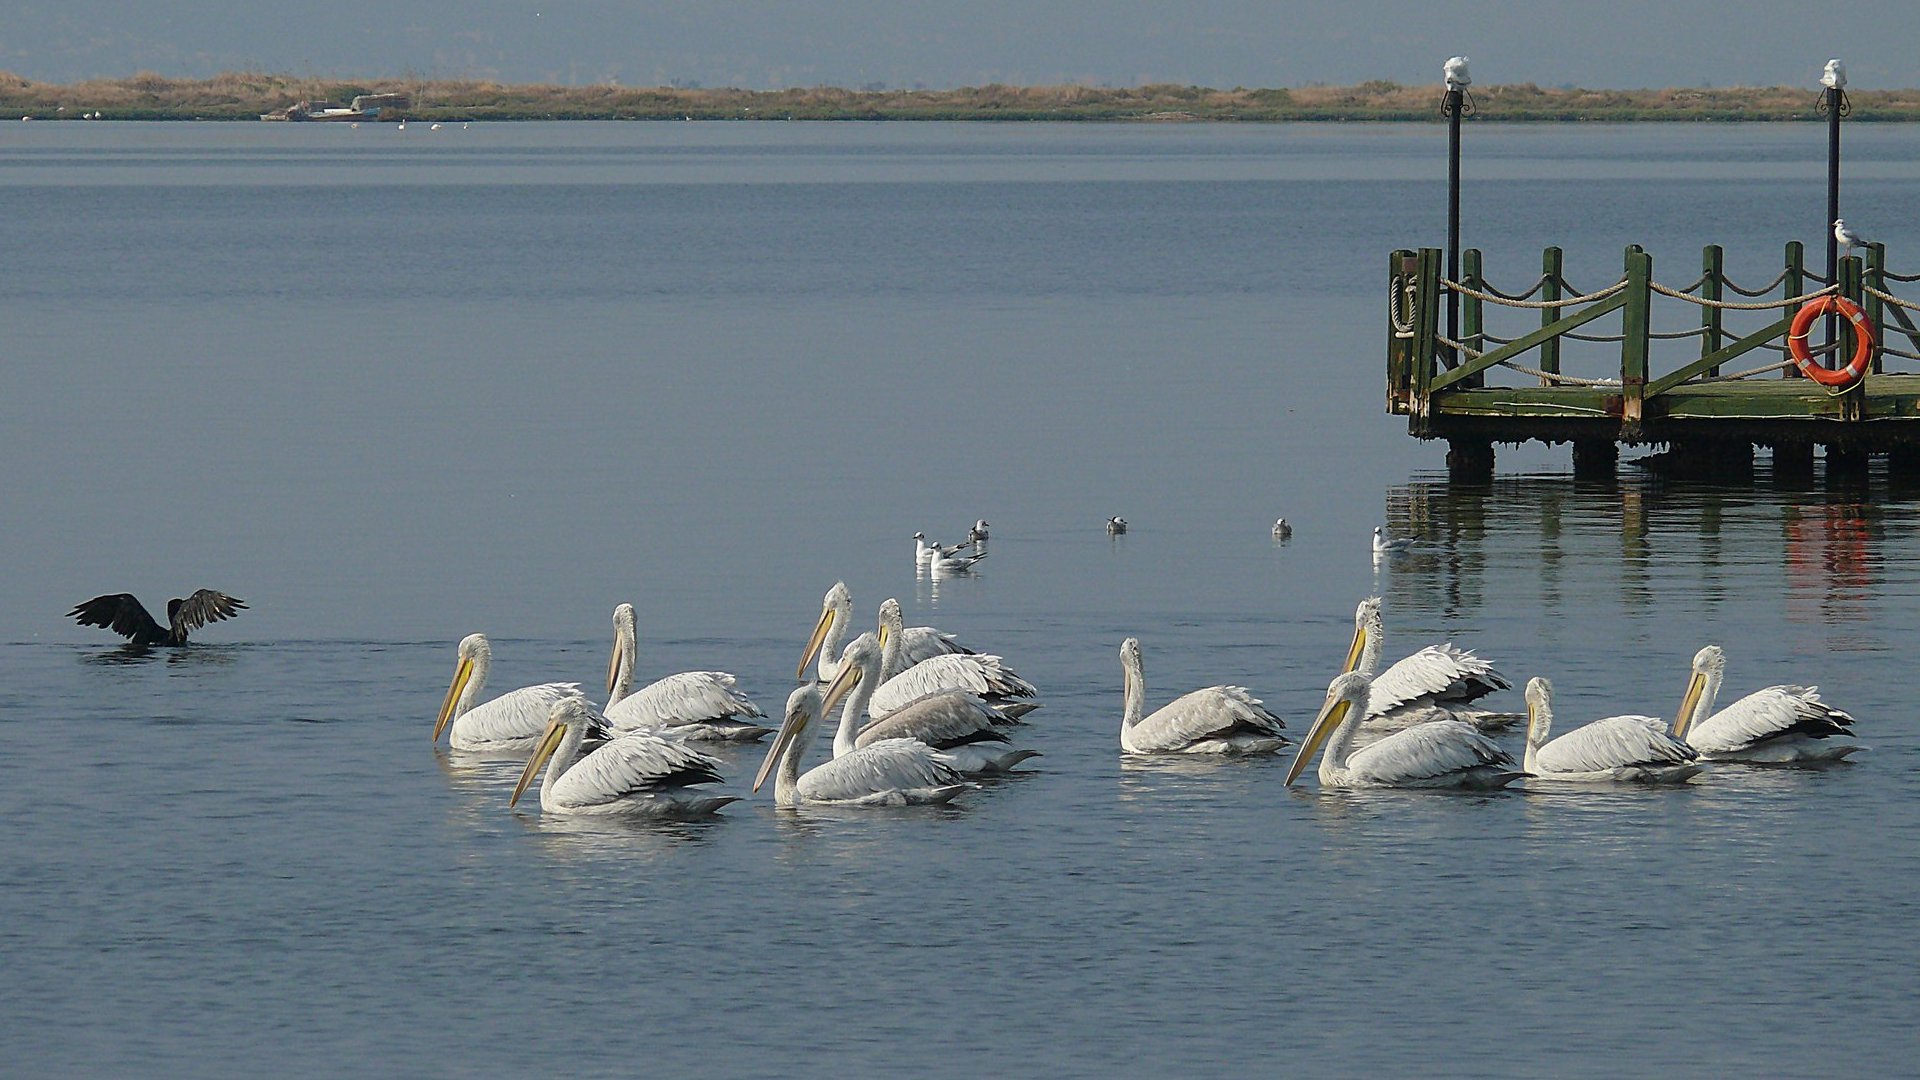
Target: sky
766, 44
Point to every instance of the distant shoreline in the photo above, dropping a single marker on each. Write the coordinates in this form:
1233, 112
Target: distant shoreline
245, 96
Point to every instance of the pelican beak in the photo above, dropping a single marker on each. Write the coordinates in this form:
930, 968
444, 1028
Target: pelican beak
460, 677
842, 685
814, 643
1324, 725
613, 665
549, 742
1696, 687
790, 729
1355, 650
882, 635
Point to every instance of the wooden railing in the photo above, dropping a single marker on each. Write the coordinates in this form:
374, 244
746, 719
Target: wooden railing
1422, 362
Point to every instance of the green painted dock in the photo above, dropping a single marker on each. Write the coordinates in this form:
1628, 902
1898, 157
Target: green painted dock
1700, 368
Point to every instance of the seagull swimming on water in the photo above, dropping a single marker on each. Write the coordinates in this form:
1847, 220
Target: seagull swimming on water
1282, 530
1849, 239
1116, 526
1382, 545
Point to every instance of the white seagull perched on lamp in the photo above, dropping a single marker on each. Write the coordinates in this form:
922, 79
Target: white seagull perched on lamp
1849, 239
1456, 73
1834, 76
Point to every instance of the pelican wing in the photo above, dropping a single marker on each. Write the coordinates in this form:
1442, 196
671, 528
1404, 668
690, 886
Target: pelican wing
884, 766
636, 763
1435, 673
1766, 714
691, 697
203, 607
120, 613
982, 674
1613, 743
1426, 752
919, 643
1215, 712
515, 716
940, 721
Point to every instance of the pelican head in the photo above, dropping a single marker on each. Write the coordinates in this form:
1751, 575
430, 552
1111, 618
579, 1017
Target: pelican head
1346, 698
805, 706
1367, 630
624, 635
566, 711
1130, 668
837, 604
1834, 75
1539, 712
891, 621
1709, 665
473, 658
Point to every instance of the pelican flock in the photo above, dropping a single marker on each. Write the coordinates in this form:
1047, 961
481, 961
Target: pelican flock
924, 719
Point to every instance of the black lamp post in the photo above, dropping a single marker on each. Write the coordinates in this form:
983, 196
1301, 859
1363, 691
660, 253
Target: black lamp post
1456, 104
1833, 105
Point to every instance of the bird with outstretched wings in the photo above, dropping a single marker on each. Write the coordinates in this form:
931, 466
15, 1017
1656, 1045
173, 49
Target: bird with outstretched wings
124, 615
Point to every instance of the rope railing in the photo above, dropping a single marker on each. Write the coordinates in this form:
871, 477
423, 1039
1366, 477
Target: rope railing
1538, 284
1735, 305
1565, 301
1762, 290
1888, 298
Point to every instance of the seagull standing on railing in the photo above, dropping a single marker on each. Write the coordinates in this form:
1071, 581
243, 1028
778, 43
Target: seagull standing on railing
1848, 238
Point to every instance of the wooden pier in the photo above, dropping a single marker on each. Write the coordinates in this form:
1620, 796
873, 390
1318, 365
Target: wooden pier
1709, 391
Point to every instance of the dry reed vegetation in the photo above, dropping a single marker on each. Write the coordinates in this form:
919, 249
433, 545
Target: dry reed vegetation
245, 95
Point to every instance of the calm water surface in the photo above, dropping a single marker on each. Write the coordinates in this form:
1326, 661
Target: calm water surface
396, 387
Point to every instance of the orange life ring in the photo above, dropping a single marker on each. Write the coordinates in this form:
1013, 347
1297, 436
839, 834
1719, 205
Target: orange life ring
1862, 341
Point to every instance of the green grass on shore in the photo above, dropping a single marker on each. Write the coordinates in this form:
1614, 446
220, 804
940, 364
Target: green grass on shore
246, 95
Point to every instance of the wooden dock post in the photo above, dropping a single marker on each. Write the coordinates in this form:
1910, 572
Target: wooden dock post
1712, 280
1794, 284
1473, 332
1550, 265
1633, 344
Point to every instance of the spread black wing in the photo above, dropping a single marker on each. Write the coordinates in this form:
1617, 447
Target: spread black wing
122, 614
201, 608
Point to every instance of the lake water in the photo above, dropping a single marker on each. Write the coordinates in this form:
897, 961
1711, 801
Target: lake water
397, 386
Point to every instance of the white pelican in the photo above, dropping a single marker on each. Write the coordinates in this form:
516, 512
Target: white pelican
1214, 720
1635, 748
701, 705
638, 773
963, 728
1436, 754
902, 683
511, 721
1382, 545
1116, 526
917, 643
895, 772
1436, 683
1779, 725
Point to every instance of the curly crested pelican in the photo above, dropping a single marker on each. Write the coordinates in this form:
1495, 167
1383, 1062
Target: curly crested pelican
1634, 748
1436, 683
1213, 720
893, 772
638, 773
701, 705
903, 682
917, 643
124, 615
511, 721
1780, 725
1436, 754
963, 728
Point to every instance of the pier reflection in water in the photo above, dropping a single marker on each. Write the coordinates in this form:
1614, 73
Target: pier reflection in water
1619, 575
